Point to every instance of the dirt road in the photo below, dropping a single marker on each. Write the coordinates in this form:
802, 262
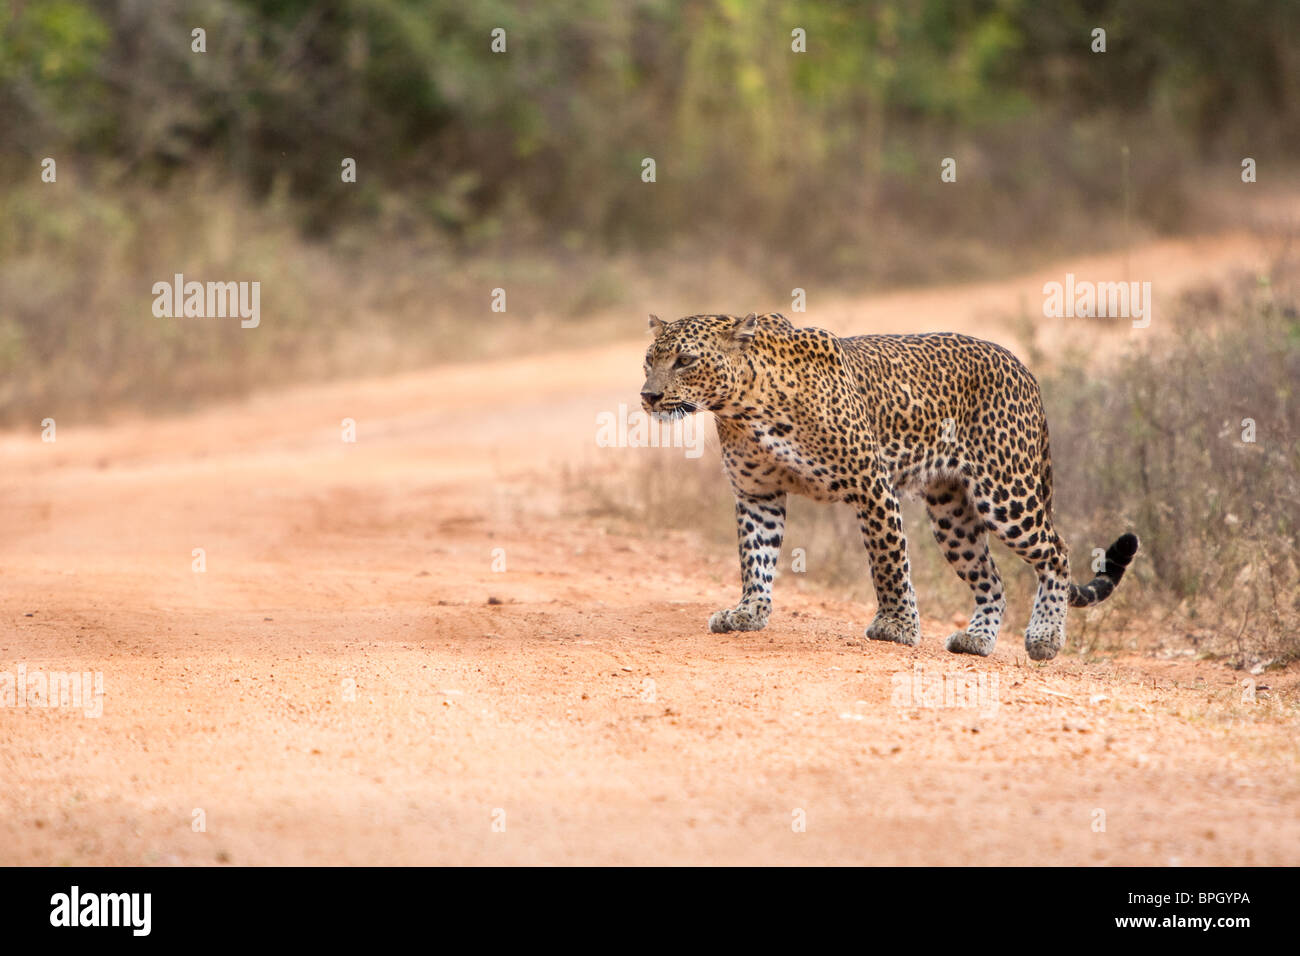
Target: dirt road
348, 680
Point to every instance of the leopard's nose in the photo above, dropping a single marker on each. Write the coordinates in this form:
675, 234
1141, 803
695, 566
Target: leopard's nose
650, 398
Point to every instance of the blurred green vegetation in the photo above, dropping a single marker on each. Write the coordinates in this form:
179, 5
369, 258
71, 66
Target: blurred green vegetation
544, 142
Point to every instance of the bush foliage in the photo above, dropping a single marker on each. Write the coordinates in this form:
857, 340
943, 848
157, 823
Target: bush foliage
808, 154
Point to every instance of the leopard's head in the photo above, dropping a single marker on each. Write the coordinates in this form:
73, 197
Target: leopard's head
696, 363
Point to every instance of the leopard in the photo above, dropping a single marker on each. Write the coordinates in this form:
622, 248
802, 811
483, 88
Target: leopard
867, 421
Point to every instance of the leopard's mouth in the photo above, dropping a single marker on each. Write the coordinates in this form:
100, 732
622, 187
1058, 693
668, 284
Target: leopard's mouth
671, 410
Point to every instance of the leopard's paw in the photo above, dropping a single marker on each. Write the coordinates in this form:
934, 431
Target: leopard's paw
964, 642
897, 630
1042, 643
740, 618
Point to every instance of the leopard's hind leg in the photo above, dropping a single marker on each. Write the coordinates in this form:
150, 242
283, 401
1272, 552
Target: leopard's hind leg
1025, 526
963, 539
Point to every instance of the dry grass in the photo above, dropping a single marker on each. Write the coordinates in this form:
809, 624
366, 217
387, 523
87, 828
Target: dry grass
78, 260
1159, 444
78, 337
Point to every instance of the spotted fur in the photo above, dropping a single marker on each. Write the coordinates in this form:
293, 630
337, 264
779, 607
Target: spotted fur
861, 420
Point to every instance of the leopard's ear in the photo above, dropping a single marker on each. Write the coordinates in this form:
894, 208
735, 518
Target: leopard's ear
744, 330
656, 324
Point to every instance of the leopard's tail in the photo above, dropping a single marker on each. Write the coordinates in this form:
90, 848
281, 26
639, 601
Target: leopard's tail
1118, 556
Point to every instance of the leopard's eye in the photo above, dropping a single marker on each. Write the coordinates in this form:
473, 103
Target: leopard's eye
686, 361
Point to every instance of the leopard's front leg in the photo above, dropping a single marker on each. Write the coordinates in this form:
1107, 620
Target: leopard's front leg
760, 526
881, 521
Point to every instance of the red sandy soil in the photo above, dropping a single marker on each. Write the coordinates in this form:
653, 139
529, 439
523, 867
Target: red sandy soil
577, 696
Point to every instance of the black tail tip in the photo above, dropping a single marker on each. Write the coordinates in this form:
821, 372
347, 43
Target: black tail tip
1121, 552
